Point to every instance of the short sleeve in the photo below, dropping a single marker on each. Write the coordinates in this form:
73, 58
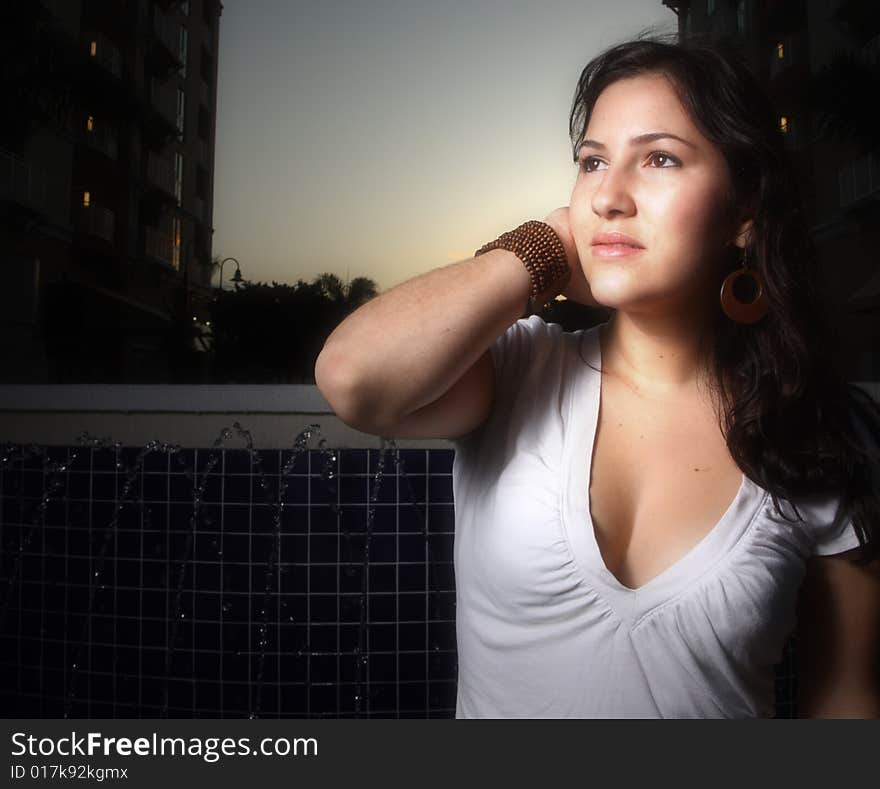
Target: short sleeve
828, 538
522, 357
521, 349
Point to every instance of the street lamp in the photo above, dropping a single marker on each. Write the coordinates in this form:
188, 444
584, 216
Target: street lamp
236, 277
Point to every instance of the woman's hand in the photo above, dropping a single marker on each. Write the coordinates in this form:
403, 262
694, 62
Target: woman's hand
577, 289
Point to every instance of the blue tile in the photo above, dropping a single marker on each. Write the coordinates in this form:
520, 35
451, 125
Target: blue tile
156, 460
413, 461
354, 489
237, 461
441, 518
237, 489
382, 638
387, 490
34, 458
382, 578
323, 548
294, 520
412, 636
294, 461
322, 461
382, 607
411, 519
202, 461
183, 460
323, 491
384, 518
440, 489
269, 461
440, 460
351, 578
294, 489
353, 461
412, 547
180, 488
323, 519
412, 489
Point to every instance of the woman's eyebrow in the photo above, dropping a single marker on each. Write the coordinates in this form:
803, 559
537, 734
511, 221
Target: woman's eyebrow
639, 140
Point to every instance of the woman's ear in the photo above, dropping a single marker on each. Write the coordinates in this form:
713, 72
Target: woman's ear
744, 234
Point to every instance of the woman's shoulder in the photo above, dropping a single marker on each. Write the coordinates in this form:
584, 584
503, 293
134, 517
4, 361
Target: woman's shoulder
819, 517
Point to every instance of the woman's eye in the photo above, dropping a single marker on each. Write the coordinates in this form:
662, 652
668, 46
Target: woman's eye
587, 167
665, 156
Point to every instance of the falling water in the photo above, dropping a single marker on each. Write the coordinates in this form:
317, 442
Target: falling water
53, 474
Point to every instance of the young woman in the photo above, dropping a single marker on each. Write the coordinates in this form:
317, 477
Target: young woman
648, 509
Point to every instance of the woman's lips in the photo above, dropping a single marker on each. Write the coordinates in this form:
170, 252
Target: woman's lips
615, 250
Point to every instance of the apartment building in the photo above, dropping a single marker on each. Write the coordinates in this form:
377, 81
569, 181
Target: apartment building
106, 182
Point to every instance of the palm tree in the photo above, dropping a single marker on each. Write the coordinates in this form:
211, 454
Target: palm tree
360, 290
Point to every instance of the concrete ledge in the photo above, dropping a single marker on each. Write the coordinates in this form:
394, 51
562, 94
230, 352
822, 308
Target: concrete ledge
157, 398
191, 416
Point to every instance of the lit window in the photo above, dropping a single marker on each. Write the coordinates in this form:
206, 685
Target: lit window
783, 124
780, 51
90, 123
87, 199
93, 48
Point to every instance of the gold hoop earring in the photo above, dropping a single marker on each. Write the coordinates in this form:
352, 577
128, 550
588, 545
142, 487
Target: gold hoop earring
742, 311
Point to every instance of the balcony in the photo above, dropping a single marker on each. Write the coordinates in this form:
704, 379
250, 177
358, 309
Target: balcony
789, 51
100, 137
162, 44
103, 52
22, 182
96, 221
859, 179
164, 101
159, 246
198, 209
160, 173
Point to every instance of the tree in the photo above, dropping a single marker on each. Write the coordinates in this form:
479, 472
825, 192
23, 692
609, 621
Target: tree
274, 333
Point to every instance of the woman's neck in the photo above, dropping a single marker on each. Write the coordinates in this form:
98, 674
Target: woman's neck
659, 357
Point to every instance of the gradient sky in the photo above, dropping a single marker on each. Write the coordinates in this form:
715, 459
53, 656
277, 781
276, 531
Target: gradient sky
385, 138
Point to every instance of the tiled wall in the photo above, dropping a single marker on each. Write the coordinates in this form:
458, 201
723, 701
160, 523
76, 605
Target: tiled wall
154, 601
157, 583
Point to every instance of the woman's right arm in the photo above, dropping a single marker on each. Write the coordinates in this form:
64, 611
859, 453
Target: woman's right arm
414, 362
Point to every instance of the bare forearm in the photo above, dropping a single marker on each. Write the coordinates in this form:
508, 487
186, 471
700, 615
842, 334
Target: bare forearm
409, 345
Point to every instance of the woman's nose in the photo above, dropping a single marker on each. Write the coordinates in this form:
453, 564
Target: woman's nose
613, 193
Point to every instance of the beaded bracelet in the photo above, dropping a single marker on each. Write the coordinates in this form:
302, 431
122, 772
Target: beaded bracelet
538, 246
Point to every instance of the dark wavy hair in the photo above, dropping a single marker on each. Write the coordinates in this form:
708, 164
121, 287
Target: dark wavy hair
791, 422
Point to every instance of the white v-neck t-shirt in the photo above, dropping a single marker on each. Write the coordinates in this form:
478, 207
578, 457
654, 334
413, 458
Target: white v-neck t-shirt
544, 630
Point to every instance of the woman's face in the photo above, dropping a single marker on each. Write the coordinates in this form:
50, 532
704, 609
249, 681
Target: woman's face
671, 196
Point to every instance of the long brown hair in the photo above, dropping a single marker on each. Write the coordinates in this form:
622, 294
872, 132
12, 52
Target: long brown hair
792, 423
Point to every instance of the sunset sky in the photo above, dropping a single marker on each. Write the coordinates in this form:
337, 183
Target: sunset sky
384, 138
